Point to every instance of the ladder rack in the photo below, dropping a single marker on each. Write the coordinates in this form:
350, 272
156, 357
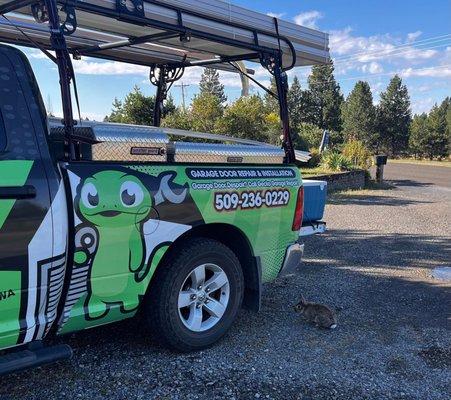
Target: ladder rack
167, 36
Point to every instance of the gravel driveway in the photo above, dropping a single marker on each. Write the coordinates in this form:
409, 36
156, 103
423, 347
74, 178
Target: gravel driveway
393, 339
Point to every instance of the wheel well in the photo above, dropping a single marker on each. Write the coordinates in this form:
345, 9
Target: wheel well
237, 241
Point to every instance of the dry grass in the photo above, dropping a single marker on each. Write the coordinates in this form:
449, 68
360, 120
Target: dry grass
445, 163
317, 171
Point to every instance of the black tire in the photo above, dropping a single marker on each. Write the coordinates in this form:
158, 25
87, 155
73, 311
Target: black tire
161, 307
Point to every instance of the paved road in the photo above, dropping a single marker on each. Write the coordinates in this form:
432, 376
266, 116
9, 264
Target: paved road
418, 174
393, 340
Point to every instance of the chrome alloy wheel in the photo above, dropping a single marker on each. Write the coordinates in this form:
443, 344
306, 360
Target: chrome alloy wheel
203, 297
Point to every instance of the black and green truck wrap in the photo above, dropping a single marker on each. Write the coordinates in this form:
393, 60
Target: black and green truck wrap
86, 243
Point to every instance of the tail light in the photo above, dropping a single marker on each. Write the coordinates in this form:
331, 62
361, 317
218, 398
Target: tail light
299, 212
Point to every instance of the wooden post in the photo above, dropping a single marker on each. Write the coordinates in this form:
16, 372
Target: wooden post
380, 173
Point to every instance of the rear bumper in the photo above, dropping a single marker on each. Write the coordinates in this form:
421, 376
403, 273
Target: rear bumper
292, 260
313, 228
293, 256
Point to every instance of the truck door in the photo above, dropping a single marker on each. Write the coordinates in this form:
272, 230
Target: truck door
32, 263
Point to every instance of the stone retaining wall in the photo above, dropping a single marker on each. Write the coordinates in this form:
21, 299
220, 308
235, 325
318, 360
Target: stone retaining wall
343, 180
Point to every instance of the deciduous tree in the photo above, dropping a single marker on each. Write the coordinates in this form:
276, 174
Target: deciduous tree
137, 108
245, 118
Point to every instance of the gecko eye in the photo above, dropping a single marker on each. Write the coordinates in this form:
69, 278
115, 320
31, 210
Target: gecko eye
90, 196
131, 194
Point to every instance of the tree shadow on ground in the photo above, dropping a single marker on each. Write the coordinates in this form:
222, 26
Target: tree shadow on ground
371, 200
365, 248
385, 275
409, 183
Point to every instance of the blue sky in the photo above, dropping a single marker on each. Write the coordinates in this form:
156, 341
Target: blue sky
370, 40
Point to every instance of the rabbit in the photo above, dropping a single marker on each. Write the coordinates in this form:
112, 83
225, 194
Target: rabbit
322, 316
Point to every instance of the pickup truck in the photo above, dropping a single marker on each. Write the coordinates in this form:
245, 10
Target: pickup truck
89, 242
102, 222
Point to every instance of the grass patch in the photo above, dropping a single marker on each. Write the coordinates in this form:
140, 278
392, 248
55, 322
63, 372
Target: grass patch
317, 171
446, 163
371, 186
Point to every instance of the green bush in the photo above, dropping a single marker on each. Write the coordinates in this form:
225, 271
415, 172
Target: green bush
336, 162
315, 161
310, 134
357, 153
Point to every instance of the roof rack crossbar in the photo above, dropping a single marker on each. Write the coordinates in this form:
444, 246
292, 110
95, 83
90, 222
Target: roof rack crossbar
126, 42
216, 60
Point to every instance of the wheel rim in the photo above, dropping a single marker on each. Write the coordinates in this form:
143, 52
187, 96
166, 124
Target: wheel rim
203, 297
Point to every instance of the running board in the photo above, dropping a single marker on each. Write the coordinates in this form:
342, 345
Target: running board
34, 356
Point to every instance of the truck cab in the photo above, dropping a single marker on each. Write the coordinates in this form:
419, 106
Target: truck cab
33, 210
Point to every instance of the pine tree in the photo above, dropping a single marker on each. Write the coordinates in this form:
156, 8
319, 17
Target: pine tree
299, 105
209, 83
206, 111
169, 106
448, 123
270, 102
117, 113
418, 135
359, 115
438, 134
394, 117
326, 98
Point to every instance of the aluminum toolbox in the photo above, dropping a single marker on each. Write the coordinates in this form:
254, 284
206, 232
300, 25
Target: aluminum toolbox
120, 142
227, 153
116, 142
315, 196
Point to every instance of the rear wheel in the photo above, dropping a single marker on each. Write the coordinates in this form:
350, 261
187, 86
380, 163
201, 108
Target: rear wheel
196, 295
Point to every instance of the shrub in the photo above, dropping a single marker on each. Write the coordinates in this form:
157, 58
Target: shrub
246, 119
315, 161
357, 153
310, 134
336, 162
179, 119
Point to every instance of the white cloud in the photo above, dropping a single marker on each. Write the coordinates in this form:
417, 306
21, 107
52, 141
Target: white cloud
347, 47
411, 37
308, 19
422, 105
442, 71
423, 88
93, 116
37, 54
276, 15
85, 67
372, 68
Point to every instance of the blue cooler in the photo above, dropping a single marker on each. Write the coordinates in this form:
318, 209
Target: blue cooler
315, 195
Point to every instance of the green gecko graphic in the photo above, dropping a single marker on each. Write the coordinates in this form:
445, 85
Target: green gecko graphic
117, 204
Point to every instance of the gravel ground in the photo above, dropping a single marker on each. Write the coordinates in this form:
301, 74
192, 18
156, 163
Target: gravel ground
393, 339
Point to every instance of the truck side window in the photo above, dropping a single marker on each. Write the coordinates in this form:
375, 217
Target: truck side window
2, 135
